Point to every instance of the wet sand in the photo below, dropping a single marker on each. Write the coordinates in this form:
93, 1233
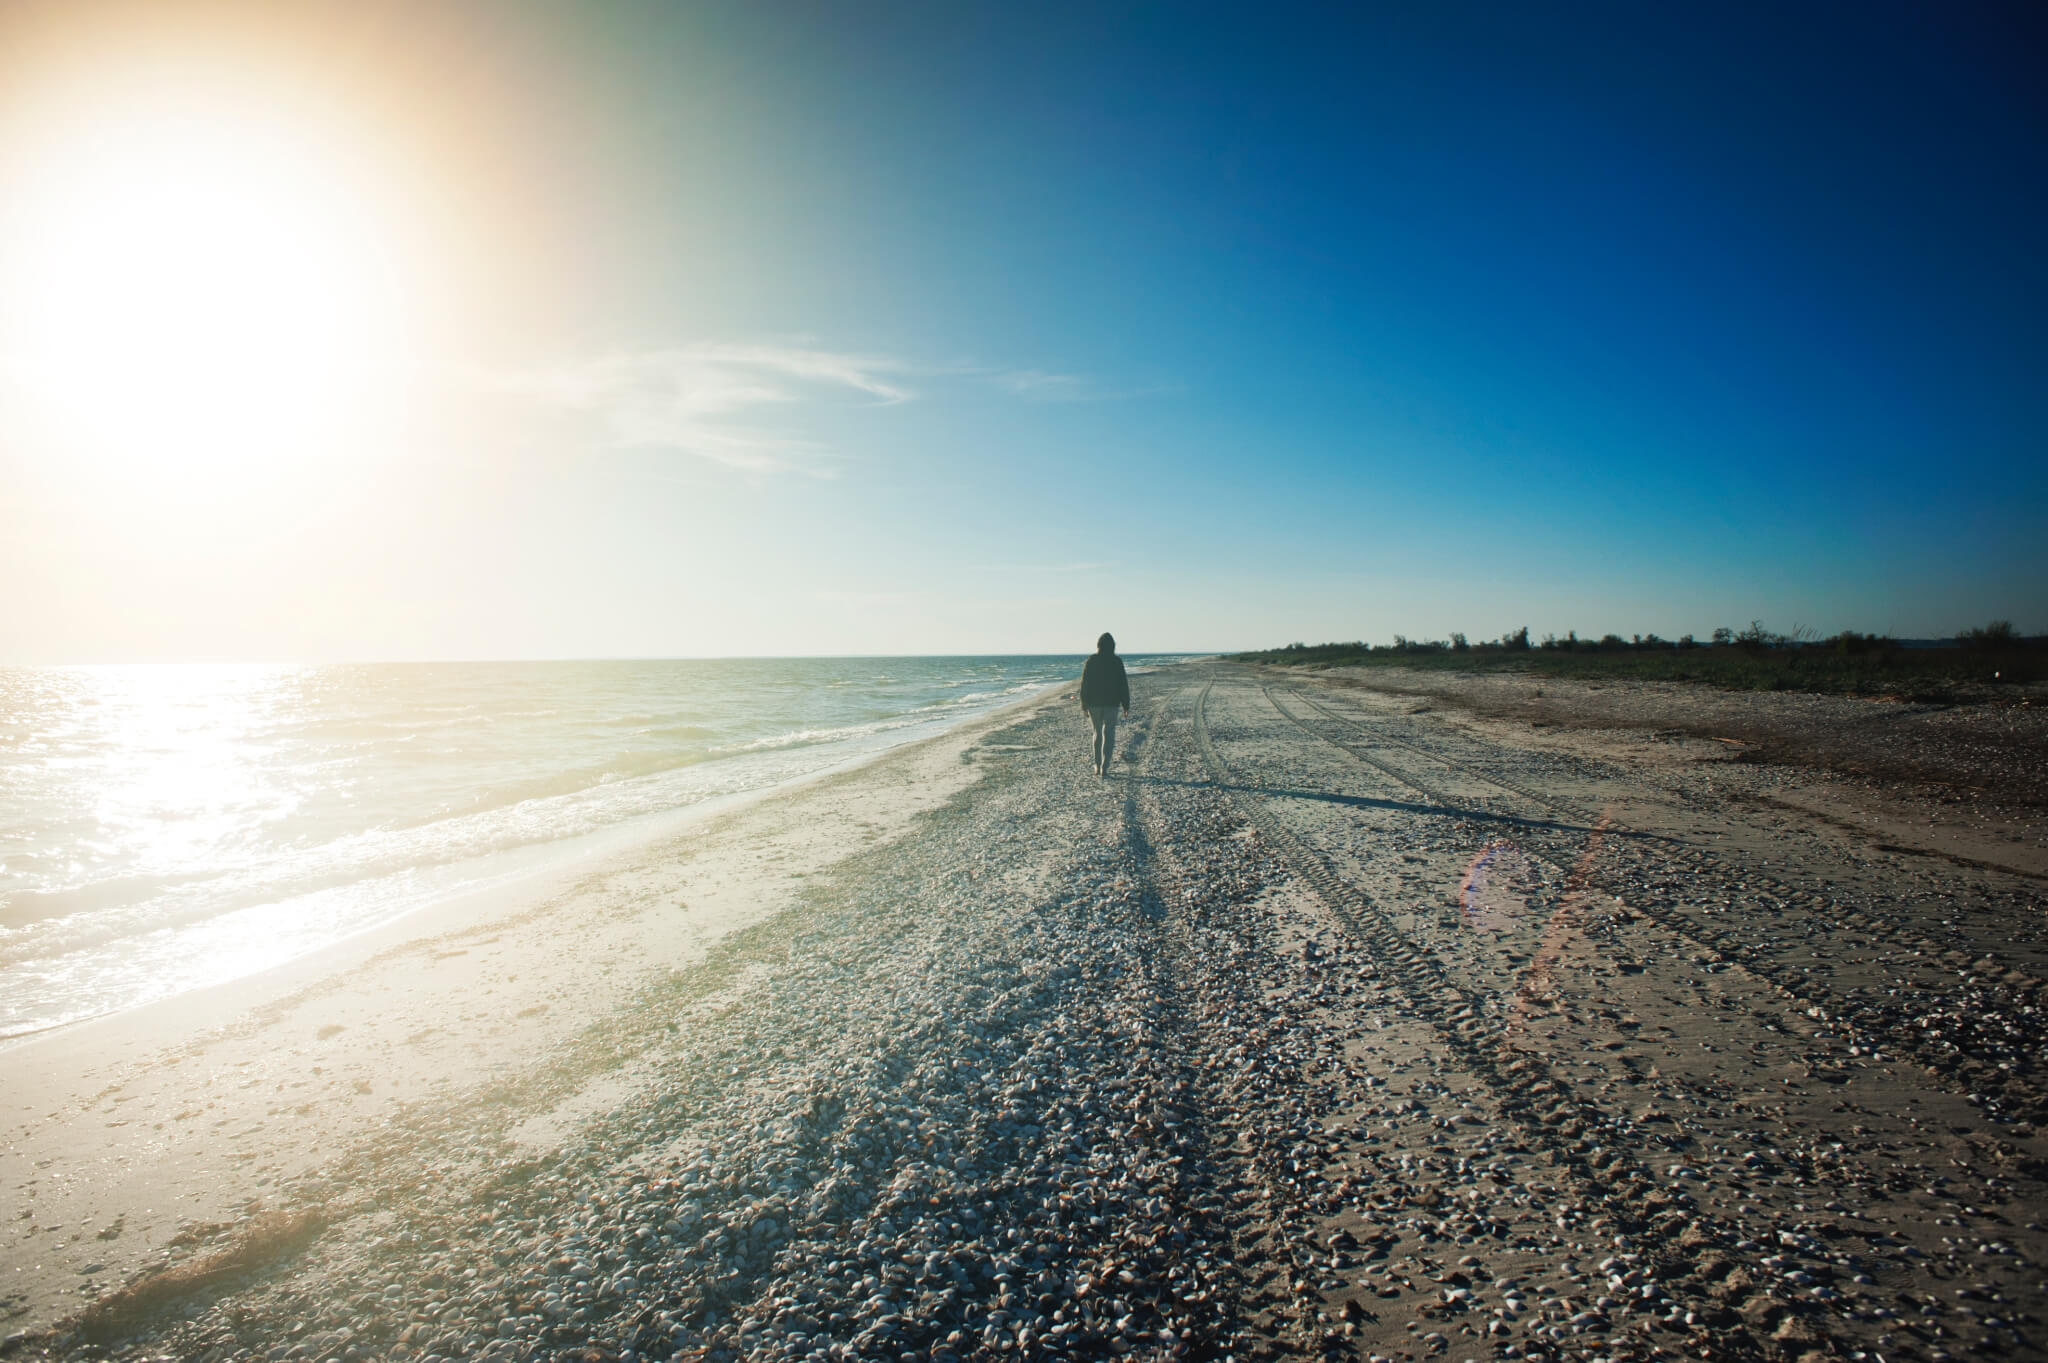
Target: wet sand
1337, 1019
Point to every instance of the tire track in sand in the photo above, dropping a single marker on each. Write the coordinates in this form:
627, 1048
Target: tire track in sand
1525, 1090
1868, 1025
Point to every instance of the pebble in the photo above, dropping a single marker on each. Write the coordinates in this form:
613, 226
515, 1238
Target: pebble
970, 1107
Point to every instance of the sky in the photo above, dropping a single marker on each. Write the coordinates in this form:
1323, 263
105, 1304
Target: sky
529, 330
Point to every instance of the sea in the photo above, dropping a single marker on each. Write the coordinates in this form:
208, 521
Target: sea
167, 827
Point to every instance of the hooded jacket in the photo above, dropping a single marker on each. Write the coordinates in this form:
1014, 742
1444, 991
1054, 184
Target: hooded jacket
1103, 681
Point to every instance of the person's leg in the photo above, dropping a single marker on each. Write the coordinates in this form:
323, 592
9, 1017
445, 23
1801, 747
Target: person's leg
1104, 719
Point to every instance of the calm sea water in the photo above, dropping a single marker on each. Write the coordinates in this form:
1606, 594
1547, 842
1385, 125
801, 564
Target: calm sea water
164, 827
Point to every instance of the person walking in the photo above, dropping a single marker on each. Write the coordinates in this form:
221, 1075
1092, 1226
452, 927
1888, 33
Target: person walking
1104, 690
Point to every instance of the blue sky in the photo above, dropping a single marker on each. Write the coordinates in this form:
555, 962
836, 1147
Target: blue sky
936, 328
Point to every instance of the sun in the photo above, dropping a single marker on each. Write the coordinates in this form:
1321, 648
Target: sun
193, 281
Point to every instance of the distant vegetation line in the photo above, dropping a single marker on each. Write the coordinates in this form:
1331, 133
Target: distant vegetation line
1752, 659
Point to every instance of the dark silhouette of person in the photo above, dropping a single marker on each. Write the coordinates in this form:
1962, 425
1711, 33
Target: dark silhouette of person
1104, 690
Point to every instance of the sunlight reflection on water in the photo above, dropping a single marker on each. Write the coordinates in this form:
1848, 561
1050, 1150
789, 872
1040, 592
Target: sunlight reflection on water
164, 826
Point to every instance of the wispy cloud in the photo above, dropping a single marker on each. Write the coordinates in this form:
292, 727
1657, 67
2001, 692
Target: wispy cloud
866, 599
1045, 567
714, 400
1045, 385
704, 399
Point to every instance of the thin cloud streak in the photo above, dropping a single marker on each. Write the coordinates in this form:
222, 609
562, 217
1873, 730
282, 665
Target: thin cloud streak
1045, 567
708, 399
867, 599
695, 398
1042, 385
863, 372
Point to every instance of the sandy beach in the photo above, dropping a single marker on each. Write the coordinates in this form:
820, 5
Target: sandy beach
1339, 1019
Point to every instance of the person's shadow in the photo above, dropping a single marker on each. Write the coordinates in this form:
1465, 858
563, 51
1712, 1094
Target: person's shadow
1397, 806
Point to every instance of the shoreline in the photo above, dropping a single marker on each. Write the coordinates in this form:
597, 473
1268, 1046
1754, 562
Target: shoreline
502, 875
296, 1024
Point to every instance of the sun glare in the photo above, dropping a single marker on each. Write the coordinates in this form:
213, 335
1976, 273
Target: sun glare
195, 282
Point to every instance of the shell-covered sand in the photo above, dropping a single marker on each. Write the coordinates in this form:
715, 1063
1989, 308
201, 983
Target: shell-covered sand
1338, 1019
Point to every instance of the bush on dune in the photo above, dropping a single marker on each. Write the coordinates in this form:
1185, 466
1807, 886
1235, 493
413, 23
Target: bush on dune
1756, 658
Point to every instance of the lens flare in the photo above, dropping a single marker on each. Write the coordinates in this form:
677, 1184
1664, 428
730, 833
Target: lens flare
1536, 983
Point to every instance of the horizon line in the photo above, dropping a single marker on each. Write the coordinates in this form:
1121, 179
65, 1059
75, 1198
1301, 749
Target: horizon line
601, 658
